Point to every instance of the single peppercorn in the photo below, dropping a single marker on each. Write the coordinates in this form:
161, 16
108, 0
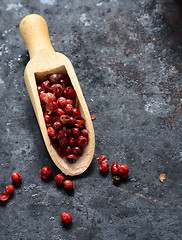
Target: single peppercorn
72, 141
40, 90
51, 132
114, 168
54, 78
45, 172
75, 112
62, 102
16, 177
59, 178
82, 141
71, 158
104, 167
68, 184
46, 85
77, 151
84, 133
4, 197
75, 132
123, 170
102, 159
9, 189
69, 101
66, 217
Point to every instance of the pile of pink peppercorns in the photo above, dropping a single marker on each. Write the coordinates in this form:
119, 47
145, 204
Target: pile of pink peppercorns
65, 125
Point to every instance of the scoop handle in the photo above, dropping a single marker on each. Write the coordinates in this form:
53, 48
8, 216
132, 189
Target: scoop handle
34, 31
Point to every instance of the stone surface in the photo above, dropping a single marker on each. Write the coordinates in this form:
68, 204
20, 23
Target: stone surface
127, 56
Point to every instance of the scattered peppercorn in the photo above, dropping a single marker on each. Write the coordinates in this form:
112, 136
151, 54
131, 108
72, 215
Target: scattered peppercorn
9, 189
123, 170
16, 177
68, 184
114, 168
4, 197
60, 179
66, 217
104, 167
45, 172
102, 159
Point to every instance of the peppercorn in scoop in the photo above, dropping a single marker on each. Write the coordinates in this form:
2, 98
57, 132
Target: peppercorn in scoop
65, 125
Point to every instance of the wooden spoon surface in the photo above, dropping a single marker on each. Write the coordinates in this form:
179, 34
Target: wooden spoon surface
44, 60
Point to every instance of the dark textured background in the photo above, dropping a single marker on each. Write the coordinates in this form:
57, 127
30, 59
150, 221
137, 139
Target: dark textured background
127, 57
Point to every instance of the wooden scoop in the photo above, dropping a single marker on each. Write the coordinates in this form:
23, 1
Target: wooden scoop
43, 61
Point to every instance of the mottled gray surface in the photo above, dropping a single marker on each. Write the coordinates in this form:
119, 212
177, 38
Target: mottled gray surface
127, 56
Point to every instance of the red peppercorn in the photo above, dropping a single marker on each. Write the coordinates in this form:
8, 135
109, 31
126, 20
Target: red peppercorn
84, 133
53, 139
43, 97
104, 167
61, 76
80, 126
71, 93
123, 170
77, 151
68, 132
66, 217
62, 152
54, 78
63, 83
56, 119
114, 168
46, 85
40, 90
75, 112
60, 111
61, 134
62, 102
48, 125
65, 119
80, 119
72, 141
47, 117
56, 89
93, 116
9, 189
68, 109
51, 132
82, 141
16, 177
50, 97
57, 125
69, 101
64, 129
64, 93
68, 184
51, 107
102, 159
72, 121
75, 132
60, 179
4, 197
45, 172
68, 150
71, 158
